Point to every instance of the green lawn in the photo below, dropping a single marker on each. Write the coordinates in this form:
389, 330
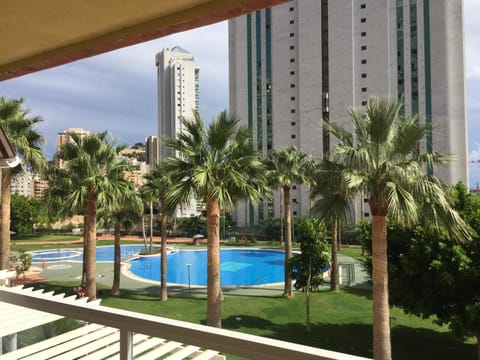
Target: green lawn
44, 237
340, 322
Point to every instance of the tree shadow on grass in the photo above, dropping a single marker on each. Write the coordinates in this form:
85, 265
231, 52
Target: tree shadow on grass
356, 339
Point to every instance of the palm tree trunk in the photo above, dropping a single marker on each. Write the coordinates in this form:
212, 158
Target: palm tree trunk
478, 347
334, 273
214, 291
116, 261
163, 258
5, 220
91, 246
307, 297
143, 233
84, 260
151, 225
287, 291
381, 311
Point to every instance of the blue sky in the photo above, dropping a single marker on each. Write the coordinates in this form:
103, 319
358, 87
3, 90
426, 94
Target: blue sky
117, 91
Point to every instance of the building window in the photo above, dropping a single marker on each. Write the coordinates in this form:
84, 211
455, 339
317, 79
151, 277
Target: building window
362, 20
294, 187
363, 76
292, 47
292, 98
292, 111
364, 61
293, 136
293, 123
292, 21
363, 33
292, 8
292, 72
363, 47
366, 214
364, 89
363, 6
294, 213
294, 201
292, 60
364, 102
292, 86
292, 34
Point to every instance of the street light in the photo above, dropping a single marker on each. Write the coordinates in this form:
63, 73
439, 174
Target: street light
188, 269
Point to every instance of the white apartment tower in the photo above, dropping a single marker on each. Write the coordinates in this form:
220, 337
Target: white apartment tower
306, 60
178, 96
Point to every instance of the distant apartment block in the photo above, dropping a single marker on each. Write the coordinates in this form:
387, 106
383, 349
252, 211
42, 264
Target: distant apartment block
39, 186
65, 137
178, 95
303, 62
135, 157
22, 184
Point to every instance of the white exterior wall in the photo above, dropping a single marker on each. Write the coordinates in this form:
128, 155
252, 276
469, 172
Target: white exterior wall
357, 30
177, 85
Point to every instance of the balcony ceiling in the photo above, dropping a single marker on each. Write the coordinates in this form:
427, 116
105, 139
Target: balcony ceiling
37, 35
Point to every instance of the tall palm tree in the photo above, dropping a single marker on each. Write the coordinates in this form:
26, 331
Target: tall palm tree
125, 211
159, 184
92, 161
285, 168
333, 203
61, 184
21, 132
219, 165
382, 158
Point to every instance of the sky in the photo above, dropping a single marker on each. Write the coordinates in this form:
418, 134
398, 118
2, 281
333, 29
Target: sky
117, 91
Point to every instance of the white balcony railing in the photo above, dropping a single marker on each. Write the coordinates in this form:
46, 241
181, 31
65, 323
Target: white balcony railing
128, 323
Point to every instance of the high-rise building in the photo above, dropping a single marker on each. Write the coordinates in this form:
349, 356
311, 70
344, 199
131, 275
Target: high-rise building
178, 96
65, 137
151, 150
306, 60
178, 91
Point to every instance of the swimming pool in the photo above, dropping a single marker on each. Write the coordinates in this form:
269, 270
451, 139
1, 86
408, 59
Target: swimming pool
104, 253
238, 267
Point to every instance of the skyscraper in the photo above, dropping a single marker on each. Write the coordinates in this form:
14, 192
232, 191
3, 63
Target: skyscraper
178, 96
306, 60
151, 150
178, 85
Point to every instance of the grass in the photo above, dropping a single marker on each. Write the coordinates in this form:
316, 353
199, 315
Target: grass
340, 321
352, 251
45, 237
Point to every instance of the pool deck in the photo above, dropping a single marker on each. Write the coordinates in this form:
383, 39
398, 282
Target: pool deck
71, 271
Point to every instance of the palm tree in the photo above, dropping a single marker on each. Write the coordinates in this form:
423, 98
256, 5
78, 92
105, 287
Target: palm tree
26, 141
159, 183
334, 205
219, 165
285, 168
125, 211
92, 161
382, 158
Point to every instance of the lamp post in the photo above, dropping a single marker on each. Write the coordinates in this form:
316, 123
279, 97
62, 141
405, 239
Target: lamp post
188, 273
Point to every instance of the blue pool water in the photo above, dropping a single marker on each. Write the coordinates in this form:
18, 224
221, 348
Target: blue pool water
238, 267
104, 253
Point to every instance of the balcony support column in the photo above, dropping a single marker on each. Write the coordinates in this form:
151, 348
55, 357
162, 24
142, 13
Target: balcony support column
126, 344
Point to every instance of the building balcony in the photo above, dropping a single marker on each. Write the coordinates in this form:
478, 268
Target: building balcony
114, 333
